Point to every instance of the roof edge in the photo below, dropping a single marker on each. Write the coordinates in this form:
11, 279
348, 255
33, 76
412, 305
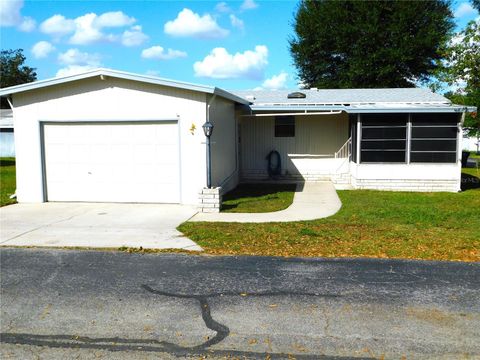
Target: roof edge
121, 75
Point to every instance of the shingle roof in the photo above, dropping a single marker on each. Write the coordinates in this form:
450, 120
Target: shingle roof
341, 96
352, 100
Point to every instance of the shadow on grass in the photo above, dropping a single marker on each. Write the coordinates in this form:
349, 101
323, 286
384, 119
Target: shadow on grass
7, 162
251, 193
257, 190
470, 182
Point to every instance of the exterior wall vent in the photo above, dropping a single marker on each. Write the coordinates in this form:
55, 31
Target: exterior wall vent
296, 95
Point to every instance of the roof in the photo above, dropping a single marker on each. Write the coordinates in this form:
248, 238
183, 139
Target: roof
352, 100
122, 75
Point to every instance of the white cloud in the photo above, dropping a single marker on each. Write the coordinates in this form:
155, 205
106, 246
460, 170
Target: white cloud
114, 19
90, 28
77, 62
10, 12
236, 22
41, 49
57, 26
134, 36
76, 57
159, 53
248, 5
86, 32
464, 9
222, 7
219, 64
74, 69
28, 24
276, 82
189, 23
10, 15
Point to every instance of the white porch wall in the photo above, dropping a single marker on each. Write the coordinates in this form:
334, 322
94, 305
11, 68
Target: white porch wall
314, 135
111, 99
406, 177
224, 144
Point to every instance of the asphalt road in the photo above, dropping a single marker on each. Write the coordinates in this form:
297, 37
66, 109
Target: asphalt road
59, 304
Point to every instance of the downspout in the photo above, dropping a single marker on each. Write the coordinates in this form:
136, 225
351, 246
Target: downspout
10, 102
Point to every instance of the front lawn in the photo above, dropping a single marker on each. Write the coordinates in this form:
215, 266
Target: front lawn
256, 198
7, 180
436, 226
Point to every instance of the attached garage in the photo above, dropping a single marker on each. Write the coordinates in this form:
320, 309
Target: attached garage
112, 161
111, 136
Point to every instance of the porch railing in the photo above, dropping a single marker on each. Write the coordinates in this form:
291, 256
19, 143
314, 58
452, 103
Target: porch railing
345, 150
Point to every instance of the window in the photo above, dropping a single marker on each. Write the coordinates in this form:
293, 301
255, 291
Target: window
434, 138
384, 138
284, 126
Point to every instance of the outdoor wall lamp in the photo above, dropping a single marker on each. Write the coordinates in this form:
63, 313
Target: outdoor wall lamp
207, 130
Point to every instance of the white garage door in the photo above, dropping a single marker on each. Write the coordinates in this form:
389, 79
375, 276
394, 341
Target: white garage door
112, 162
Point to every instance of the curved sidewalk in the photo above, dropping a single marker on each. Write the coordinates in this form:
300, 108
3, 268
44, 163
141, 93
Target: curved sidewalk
312, 200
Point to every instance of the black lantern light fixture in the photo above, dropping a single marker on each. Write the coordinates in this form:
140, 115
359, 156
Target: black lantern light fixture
208, 130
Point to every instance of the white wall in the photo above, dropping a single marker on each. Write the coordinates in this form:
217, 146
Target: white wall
7, 143
406, 177
111, 99
224, 144
314, 135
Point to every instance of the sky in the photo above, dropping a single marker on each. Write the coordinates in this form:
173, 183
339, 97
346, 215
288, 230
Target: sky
229, 44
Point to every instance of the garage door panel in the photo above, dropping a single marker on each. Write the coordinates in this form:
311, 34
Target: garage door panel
112, 162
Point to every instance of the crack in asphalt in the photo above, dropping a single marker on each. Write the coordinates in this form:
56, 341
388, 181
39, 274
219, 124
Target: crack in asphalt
117, 344
222, 330
152, 345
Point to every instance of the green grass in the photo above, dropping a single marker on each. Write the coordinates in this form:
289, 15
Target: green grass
7, 180
435, 226
257, 198
474, 155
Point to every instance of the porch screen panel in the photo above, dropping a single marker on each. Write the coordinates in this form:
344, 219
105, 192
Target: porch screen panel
434, 138
384, 138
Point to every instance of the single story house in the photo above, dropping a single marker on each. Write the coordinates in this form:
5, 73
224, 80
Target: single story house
7, 142
111, 136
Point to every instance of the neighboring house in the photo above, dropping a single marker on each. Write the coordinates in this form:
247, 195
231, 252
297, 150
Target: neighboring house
471, 143
7, 143
111, 136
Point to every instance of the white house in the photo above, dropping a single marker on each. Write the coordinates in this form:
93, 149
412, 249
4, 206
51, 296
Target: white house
389, 139
7, 143
111, 136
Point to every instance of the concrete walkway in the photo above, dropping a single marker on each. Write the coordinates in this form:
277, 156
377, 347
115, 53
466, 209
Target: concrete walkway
95, 225
312, 200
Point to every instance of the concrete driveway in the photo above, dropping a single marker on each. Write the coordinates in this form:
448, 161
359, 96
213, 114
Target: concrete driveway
97, 225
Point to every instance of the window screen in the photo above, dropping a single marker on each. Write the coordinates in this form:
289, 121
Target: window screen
434, 138
284, 126
384, 138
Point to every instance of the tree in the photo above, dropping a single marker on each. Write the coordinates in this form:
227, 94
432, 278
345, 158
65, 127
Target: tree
369, 44
476, 4
463, 71
13, 71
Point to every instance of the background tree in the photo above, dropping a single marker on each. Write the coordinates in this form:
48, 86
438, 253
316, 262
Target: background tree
13, 71
462, 70
369, 44
476, 4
